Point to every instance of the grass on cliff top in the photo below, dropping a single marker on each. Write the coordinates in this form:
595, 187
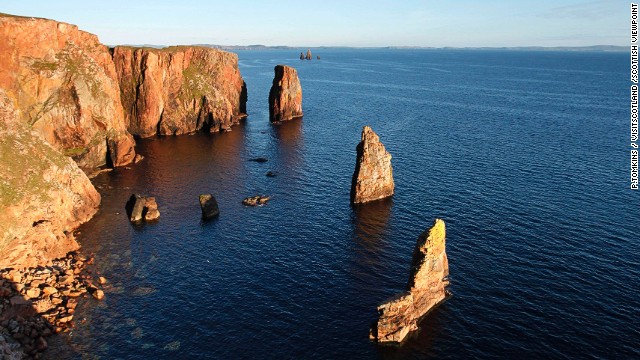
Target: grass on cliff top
168, 49
23, 160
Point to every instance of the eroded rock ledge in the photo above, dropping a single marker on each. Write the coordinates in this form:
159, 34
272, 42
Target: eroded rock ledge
373, 176
426, 289
285, 96
179, 90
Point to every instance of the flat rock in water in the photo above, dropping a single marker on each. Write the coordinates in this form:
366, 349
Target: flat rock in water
259, 160
256, 200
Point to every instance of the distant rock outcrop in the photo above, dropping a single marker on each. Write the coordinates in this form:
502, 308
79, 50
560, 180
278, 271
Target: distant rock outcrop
309, 57
209, 206
44, 195
301, 56
63, 83
426, 289
179, 90
373, 175
285, 97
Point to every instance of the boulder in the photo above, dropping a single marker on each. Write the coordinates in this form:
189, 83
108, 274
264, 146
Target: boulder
140, 208
427, 288
152, 210
373, 175
285, 96
209, 206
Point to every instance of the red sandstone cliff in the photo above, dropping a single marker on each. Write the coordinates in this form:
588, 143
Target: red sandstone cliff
179, 90
64, 86
285, 96
43, 194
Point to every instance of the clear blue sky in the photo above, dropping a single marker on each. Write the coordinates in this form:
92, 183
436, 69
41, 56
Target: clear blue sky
343, 22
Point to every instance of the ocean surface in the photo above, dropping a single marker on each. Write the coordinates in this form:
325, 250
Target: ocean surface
525, 155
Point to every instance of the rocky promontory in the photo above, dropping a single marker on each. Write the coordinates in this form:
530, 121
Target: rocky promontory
426, 288
44, 195
373, 176
63, 83
285, 97
179, 90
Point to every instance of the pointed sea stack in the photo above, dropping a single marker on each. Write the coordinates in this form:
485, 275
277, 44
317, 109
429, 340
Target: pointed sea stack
285, 97
373, 176
308, 54
426, 289
301, 55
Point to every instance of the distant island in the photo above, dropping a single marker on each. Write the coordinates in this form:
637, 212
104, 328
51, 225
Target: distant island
608, 48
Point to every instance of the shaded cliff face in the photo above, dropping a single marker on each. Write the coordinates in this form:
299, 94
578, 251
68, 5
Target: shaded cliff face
285, 96
64, 84
43, 194
373, 176
426, 288
179, 90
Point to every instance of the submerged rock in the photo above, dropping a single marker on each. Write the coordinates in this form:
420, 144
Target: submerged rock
285, 96
140, 208
209, 206
31, 315
373, 175
426, 288
272, 174
259, 160
256, 200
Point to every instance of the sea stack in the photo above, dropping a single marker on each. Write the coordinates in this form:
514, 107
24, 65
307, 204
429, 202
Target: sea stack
373, 176
308, 54
426, 288
301, 55
285, 97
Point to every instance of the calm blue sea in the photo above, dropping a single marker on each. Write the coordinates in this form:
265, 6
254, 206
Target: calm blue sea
525, 155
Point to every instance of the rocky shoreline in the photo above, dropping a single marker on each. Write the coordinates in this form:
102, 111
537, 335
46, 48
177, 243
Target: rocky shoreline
38, 302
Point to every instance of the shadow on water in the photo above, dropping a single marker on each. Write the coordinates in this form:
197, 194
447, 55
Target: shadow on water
290, 141
368, 263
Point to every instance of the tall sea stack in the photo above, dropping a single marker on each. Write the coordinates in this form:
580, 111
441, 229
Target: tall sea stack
373, 175
285, 97
426, 288
308, 54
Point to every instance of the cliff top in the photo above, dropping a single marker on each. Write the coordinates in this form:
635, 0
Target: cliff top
171, 49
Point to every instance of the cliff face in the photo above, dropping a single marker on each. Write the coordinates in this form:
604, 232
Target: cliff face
427, 288
373, 175
179, 90
64, 84
285, 96
43, 194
